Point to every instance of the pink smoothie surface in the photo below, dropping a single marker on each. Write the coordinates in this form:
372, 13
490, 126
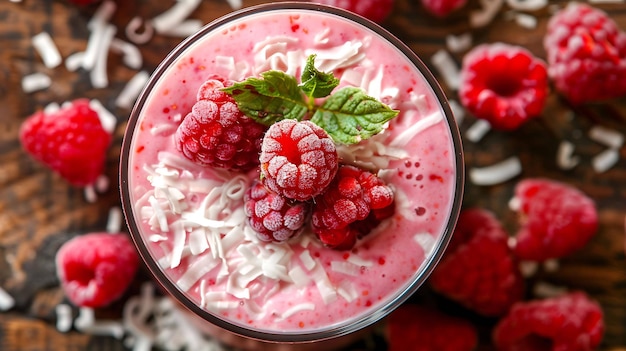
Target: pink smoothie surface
192, 218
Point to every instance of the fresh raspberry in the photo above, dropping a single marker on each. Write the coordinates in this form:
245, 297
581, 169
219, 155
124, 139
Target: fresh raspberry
503, 84
586, 54
556, 219
217, 134
571, 322
442, 8
95, 269
417, 328
354, 203
374, 10
478, 269
71, 141
298, 159
273, 217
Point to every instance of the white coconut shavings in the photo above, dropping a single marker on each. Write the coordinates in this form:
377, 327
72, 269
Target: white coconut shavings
46, 48
305, 306
235, 4
411, 132
527, 268
457, 110
459, 43
195, 271
185, 29
87, 323
136, 34
477, 130
114, 221
299, 277
89, 192
227, 66
51, 108
6, 301
496, 173
373, 154
527, 5
565, 158
346, 55
447, 68
178, 244
174, 16
64, 317
107, 119
347, 291
131, 90
98, 74
306, 259
35, 82
523, 19
605, 160
359, 261
103, 14
324, 286
544, 290
484, 16
74, 61
606, 136
426, 241
345, 268
131, 56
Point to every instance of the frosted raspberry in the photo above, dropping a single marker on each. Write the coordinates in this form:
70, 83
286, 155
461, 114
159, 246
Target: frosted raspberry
273, 217
442, 8
556, 219
355, 203
298, 159
95, 269
503, 84
71, 141
570, 322
586, 54
374, 10
217, 134
427, 329
478, 269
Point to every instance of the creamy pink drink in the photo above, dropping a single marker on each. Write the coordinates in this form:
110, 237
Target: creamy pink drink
189, 223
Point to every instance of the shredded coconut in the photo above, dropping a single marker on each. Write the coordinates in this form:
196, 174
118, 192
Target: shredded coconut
478, 130
608, 137
132, 31
6, 301
131, 90
496, 173
174, 16
448, 69
46, 48
565, 156
35, 82
64, 317
484, 16
605, 160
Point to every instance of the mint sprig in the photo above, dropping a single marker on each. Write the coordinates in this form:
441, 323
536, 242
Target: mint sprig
348, 115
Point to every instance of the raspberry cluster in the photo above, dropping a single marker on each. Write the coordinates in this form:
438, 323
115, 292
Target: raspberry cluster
301, 177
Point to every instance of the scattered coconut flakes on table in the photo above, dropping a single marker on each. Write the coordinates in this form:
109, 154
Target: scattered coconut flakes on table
608, 137
174, 16
131, 54
131, 90
64, 317
6, 301
605, 160
107, 119
448, 69
565, 158
527, 5
477, 130
135, 35
35, 82
543, 289
496, 173
115, 219
523, 19
484, 16
457, 110
459, 43
46, 48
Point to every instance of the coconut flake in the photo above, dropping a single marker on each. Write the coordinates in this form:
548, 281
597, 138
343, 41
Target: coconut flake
46, 48
131, 90
323, 284
347, 290
306, 259
64, 317
195, 271
459, 43
525, 20
103, 14
184, 29
345, 268
235, 4
86, 323
426, 242
496, 173
551, 265
174, 16
608, 137
6, 301
478, 130
546, 290
449, 70
114, 222
605, 160
565, 158
408, 134
299, 276
527, 5
90, 194
305, 306
35, 82
528, 268
107, 119
457, 111
74, 61
132, 31
486, 14
131, 54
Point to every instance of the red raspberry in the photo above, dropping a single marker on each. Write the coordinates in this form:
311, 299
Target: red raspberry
586, 54
442, 8
557, 219
503, 84
71, 141
354, 203
417, 328
478, 269
570, 322
374, 10
95, 269
298, 159
273, 217
217, 134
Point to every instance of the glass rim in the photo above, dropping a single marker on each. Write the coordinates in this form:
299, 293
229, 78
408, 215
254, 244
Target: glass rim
345, 327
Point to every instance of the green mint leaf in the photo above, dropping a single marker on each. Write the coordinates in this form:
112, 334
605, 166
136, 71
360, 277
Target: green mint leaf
315, 83
274, 97
350, 115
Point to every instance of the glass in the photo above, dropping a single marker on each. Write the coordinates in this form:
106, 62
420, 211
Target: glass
162, 104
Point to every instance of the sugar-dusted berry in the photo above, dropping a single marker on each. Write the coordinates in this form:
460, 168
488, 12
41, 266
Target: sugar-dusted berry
272, 216
586, 54
375, 10
478, 269
503, 84
95, 269
298, 159
71, 141
569, 322
556, 219
355, 203
217, 134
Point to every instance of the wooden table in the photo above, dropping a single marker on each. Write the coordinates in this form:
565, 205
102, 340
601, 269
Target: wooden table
39, 211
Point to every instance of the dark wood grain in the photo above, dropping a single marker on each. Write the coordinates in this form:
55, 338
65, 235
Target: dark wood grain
39, 211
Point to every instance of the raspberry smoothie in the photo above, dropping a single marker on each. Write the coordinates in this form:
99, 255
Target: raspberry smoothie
188, 221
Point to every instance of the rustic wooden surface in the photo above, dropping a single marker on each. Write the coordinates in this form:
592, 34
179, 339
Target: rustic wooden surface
39, 211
